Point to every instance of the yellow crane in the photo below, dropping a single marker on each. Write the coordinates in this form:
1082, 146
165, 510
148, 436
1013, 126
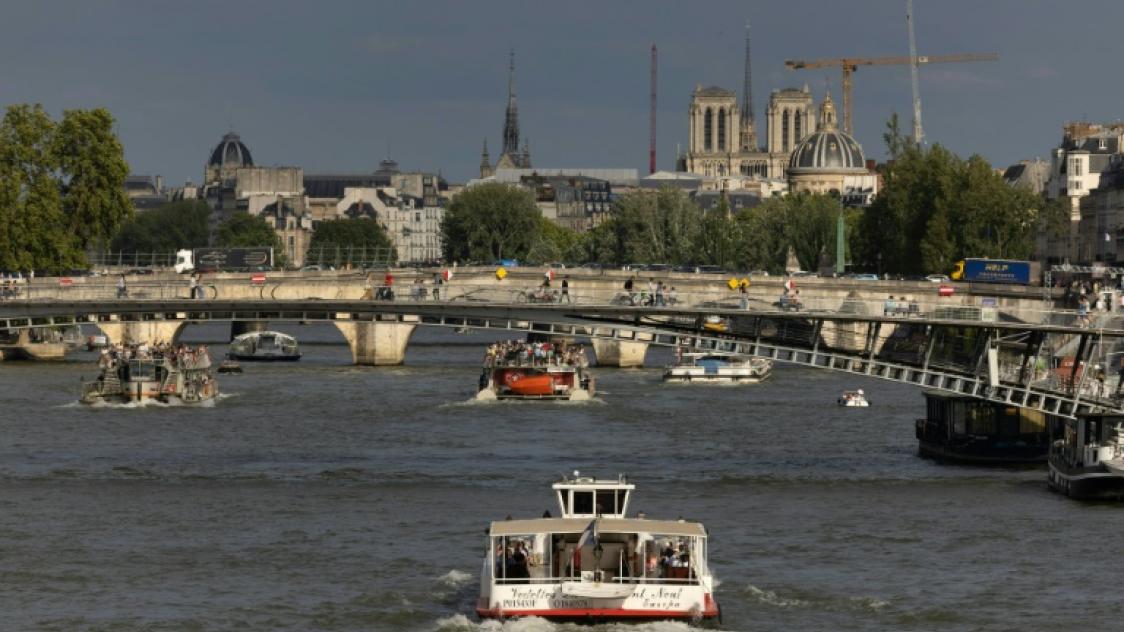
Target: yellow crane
850, 64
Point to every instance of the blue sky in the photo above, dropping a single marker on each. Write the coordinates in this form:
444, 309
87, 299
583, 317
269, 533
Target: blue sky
339, 85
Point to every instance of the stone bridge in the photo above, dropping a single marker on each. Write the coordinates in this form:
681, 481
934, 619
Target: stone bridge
1002, 352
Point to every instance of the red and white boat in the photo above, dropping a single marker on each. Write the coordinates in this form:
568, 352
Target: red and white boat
595, 563
524, 370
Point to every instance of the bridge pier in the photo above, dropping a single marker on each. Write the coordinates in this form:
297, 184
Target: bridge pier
619, 353
239, 327
377, 344
148, 331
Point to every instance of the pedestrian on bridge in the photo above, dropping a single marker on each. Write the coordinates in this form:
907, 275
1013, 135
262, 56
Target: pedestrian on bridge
122, 290
565, 289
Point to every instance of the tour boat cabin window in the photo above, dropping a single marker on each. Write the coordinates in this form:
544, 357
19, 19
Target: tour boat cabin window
583, 503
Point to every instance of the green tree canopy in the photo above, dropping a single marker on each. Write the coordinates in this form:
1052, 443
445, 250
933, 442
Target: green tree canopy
243, 230
660, 227
491, 221
61, 187
936, 208
93, 163
805, 222
355, 233
176, 225
34, 231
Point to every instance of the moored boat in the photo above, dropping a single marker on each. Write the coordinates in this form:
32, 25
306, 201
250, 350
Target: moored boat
966, 429
1087, 457
595, 562
853, 399
535, 371
264, 346
718, 368
138, 374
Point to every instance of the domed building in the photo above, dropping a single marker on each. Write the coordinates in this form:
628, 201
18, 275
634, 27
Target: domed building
227, 157
830, 160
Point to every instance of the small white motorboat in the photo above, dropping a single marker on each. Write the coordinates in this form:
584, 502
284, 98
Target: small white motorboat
853, 398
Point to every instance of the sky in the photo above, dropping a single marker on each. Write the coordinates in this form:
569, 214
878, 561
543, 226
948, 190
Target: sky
338, 85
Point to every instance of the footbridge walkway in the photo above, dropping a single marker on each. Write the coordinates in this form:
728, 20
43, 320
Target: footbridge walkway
1022, 353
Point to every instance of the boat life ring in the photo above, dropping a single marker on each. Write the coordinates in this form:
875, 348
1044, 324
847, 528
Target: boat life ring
511, 378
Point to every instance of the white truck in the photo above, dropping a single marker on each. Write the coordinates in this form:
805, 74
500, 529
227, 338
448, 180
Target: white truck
251, 259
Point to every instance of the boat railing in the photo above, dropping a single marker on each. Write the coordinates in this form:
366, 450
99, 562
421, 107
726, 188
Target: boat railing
676, 581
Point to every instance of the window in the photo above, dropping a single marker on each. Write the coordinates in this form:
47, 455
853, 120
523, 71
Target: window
708, 128
722, 130
797, 119
784, 130
583, 503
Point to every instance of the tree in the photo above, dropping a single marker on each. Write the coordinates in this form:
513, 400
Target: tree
556, 243
243, 230
93, 165
662, 227
491, 221
176, 225
351, 235
944, 208
33, 228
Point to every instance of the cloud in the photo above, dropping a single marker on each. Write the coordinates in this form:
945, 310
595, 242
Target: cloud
383, 44
959, 79
1042, 71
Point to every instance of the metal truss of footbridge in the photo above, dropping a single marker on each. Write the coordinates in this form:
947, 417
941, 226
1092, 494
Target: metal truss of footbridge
1002, 361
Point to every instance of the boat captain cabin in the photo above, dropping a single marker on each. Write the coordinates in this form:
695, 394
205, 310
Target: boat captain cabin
595, 561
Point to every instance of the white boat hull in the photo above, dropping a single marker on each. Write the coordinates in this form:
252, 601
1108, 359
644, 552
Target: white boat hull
597, 601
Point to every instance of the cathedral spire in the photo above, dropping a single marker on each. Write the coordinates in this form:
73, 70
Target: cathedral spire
511, 118
748, 140
485, 162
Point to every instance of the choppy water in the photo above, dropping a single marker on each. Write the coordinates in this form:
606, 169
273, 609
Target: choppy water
322, 496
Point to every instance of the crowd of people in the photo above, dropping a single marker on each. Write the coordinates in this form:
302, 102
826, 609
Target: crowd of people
519, 353
179, 356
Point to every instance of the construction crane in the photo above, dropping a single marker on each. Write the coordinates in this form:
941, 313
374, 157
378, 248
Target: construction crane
850, 64
652, 117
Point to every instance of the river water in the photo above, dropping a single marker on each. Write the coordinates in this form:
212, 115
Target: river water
322, 496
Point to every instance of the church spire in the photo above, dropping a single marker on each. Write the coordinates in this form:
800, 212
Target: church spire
748, 140
485, 162
511, 118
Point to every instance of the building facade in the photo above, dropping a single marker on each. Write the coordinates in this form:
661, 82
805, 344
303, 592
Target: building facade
1084, 171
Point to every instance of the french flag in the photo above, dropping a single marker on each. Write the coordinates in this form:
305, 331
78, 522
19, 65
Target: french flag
589, 536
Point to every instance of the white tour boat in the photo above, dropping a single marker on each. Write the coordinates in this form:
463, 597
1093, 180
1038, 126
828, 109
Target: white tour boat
728, 368
264, 346
853, 398
596, 563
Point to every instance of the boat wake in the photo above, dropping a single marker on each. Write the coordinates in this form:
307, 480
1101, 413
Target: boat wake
149, 403
822, 602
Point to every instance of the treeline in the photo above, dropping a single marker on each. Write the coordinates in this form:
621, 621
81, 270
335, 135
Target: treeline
61, 187
934, 208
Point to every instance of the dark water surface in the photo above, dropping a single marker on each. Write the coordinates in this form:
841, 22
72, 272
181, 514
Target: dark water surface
322, 496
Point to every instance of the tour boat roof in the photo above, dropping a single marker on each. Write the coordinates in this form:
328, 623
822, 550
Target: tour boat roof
259, 334
604, 525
